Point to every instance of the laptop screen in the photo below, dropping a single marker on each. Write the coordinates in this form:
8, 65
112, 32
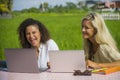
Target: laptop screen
21, 60
67, 60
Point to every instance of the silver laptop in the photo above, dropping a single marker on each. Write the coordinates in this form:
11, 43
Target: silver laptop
67, 60
21, 60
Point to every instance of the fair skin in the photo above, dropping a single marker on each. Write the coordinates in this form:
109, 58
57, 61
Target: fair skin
88, 32
33, 36
102, 65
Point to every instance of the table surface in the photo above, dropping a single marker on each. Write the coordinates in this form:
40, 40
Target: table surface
56, 76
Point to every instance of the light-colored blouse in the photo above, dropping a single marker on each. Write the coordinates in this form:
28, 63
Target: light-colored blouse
43, 56
106, 54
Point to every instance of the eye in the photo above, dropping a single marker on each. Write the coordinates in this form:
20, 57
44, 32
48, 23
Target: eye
27, 33
33, 32
85, 27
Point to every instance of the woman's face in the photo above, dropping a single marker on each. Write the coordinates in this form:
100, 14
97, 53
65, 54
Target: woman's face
33, 35
87, 29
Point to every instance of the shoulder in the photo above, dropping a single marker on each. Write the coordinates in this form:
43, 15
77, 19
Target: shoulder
50, 41
104, 48
107, 47
52, 45
109, 52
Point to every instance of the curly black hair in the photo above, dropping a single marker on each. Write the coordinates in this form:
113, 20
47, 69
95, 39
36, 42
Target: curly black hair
22, 28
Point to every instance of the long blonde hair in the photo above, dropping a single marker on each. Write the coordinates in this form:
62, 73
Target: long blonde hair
102, 35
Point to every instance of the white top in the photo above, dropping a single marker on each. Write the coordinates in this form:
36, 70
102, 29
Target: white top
43, 57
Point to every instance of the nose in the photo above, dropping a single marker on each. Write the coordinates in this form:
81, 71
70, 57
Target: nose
83, 29
31, 35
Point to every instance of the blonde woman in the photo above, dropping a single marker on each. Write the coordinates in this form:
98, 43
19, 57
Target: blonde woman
100, 48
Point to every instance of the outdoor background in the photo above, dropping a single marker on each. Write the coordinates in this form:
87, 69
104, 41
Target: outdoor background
62, 21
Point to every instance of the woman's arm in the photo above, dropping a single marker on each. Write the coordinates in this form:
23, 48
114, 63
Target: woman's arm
108, 65
107, 57
102, 65
52, 45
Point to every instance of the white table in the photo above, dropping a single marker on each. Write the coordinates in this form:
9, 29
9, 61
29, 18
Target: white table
56, 76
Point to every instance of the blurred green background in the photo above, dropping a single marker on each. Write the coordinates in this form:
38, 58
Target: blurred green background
65, 29
63, 23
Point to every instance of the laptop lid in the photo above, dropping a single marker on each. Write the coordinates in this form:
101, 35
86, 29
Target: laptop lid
67, 60
21, 60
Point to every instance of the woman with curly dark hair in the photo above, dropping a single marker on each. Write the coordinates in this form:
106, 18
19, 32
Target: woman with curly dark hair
33, 34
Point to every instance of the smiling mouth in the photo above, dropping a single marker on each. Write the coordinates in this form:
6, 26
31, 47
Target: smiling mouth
33, 41
85, 34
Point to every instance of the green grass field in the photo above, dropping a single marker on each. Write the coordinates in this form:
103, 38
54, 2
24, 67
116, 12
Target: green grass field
63, 28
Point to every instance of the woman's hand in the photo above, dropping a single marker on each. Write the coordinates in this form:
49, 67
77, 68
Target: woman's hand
48, 65
92, 64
